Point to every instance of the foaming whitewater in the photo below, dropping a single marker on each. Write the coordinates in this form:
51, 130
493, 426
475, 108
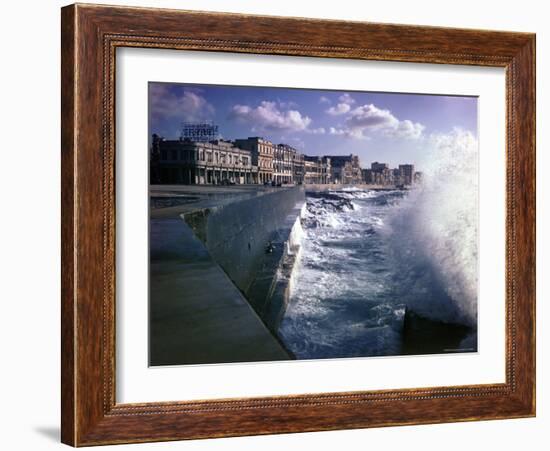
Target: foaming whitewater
433, 234
369, 256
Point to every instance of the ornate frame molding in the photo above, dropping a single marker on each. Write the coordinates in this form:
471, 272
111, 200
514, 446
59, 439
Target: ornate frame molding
90, 37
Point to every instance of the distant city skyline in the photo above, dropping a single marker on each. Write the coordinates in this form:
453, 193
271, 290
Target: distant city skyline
393, 128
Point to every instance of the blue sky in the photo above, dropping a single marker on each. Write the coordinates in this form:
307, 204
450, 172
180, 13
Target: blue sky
387, 127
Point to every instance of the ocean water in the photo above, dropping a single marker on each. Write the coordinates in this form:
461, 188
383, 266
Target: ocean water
368, 256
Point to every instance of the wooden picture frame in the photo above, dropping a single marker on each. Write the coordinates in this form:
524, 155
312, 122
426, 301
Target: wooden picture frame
90, 412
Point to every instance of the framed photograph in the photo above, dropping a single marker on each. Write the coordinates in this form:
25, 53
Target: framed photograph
278, 225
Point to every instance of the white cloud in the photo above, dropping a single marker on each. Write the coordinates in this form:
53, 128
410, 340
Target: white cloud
186, 104
270, 116
316, 131
346, 98
287, 104
367, 119
324, 99
348, 133
341, 108
371, 117
407, 129
345, 101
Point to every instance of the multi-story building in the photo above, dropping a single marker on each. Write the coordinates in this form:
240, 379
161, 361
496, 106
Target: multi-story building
262, 152
368, 176
312, 169
189, 163
258, 160
396, 177
381, 174
298, 168
316, 169
379, 167
387, 176
326, 170
345, 169
406, 172
283, 161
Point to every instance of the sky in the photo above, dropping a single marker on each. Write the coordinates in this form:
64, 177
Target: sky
393, 128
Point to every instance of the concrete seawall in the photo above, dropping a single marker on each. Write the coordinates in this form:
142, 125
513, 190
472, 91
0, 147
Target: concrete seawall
221, 262
249, 238
278, 297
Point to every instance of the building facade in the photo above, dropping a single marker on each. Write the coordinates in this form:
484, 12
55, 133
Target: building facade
368, 176
379, 167
284, 157
346, 169
256, 160
316, 170
189, 163
406, 173
262, 152
298, 168
381, 174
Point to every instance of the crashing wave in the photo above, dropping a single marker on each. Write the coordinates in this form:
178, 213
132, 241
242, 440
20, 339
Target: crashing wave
368, 257
433, 234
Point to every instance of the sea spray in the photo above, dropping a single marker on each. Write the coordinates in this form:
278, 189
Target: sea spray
433, 234
297, 232
294, 246
368, 256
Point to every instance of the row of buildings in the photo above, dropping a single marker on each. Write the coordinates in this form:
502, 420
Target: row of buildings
256, 160
382, 174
